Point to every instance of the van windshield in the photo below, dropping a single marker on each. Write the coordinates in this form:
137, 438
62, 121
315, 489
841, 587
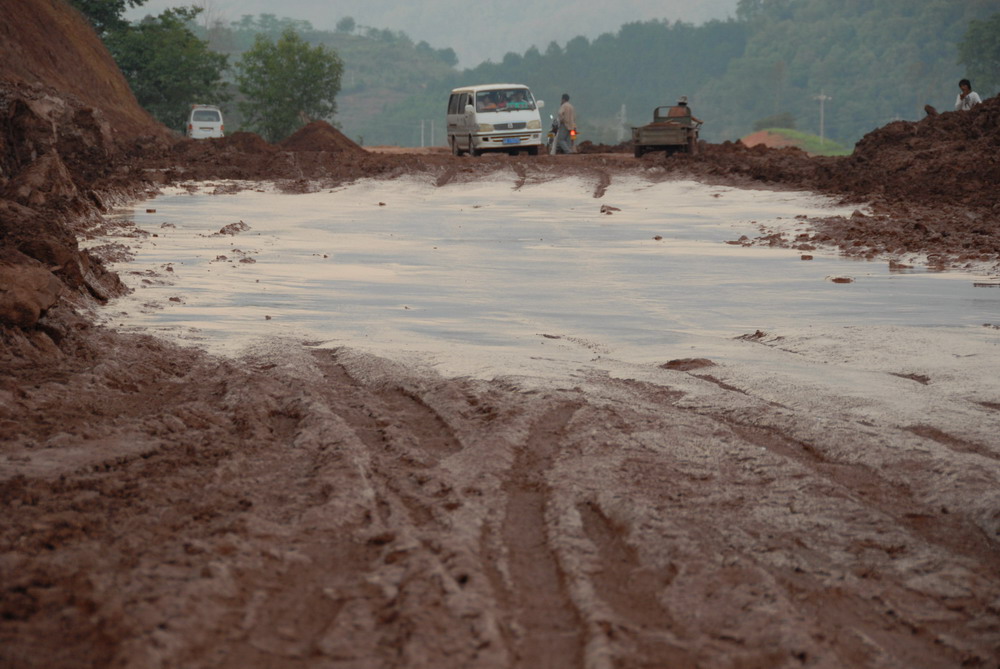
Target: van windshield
504, 99
205, 116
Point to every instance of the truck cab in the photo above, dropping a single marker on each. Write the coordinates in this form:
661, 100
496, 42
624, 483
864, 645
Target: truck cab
673, 130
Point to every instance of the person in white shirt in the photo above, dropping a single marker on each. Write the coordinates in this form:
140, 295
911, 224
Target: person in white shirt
967, 98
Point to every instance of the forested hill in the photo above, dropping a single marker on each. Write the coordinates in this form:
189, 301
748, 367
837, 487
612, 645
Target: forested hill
873, 61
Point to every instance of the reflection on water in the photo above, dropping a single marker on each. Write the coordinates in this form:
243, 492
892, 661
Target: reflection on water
403, 264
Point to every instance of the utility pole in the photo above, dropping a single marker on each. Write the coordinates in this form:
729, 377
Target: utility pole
822, 97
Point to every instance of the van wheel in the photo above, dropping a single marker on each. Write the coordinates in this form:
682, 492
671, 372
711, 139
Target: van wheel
455, 151
473, 151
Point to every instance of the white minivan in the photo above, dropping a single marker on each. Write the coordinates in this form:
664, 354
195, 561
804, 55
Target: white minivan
205, 121
494, 117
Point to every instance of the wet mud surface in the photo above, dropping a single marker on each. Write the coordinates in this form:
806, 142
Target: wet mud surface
300, 507
327, 508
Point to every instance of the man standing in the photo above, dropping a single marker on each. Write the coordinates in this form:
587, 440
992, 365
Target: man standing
567, 125
967, 98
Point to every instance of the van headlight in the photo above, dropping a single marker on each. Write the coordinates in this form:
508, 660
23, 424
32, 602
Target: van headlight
485, 127
534, 125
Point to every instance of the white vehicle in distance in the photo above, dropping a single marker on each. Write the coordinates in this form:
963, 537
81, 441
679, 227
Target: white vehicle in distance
494, 117
205, 121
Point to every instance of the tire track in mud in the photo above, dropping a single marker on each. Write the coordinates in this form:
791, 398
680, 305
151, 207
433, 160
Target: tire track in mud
941, 528
603, 181
954, 443
522, 175
406, 438
632, 589
446, 177
423, 437
546, 628
937, 527
439, 601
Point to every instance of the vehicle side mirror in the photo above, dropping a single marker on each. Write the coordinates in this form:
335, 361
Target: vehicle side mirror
540, 104
469, 109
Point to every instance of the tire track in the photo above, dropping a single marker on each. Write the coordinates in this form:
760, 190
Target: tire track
406, 438
632, 589
949, 531
392, 418
522, 175
951, 442
603, 181
447, 176
549, 631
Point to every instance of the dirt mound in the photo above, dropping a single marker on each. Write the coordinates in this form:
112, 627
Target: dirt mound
319, 136
771, 140
246, 142
947, 157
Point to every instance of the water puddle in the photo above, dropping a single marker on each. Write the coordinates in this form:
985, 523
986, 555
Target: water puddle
480, 275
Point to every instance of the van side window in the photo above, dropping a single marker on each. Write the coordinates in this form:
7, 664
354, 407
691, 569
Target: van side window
453, 104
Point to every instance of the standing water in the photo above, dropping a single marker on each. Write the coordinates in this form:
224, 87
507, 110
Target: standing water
477, 275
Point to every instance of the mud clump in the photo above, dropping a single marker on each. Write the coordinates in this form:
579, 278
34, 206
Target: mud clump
591, 147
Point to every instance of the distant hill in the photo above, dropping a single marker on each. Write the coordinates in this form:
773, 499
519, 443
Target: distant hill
837, 69
477, 31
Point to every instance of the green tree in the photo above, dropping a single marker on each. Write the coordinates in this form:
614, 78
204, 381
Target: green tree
167, 66
346, 25
106, 15
979, 51
285, 81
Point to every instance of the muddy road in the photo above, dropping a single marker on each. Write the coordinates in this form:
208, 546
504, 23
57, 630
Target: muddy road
830, 500
826, 498
317, 508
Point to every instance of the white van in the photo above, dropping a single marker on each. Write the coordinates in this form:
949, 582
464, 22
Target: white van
494, 117
205, 121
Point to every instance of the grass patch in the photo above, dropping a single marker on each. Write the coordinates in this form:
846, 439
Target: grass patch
812, 143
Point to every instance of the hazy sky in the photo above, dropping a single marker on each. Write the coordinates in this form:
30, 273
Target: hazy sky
477, 30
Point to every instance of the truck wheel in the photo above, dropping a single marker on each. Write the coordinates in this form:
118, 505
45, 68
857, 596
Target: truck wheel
455, 151
638, 151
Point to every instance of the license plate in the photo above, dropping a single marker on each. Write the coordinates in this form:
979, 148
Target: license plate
511, 140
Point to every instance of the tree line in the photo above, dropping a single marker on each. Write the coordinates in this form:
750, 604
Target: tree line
777, 63
855, 65
281, 80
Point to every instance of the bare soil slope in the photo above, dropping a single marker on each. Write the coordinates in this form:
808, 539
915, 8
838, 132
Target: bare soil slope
43, 44
303, 508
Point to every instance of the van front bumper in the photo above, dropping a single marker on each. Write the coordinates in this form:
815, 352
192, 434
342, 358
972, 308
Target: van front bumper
507, 140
